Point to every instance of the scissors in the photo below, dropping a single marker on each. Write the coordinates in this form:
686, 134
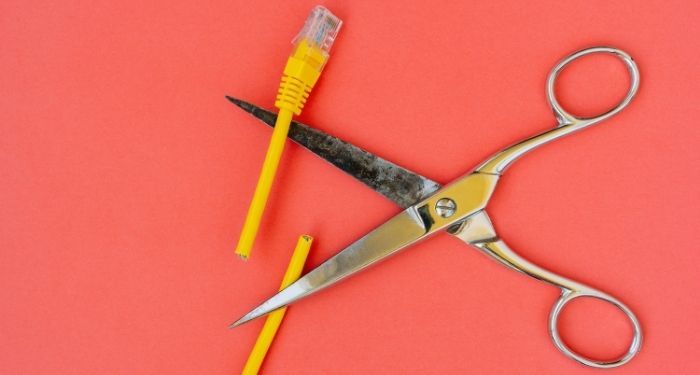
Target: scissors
458, 208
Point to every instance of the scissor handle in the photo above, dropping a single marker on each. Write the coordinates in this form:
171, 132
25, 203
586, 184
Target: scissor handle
479, 232
566, 122
569, 295
570, 290
566, 118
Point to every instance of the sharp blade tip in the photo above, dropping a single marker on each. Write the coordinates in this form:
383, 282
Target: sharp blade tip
238, 322
242, 104
233, 100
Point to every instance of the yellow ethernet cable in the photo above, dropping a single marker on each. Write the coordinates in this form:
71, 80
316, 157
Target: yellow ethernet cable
303, 68
274, 319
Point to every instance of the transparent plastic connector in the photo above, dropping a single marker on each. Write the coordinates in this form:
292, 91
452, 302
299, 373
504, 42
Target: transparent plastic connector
320, 29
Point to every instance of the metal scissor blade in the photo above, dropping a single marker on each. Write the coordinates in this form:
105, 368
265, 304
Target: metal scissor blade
400, 185
397, 233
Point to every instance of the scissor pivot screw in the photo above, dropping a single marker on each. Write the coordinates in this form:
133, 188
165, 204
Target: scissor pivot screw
445, 207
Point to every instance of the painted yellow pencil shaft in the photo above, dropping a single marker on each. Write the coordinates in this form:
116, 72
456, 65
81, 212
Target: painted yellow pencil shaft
274, 319
301, 72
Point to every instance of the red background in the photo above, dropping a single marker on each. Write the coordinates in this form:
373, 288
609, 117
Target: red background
125, 178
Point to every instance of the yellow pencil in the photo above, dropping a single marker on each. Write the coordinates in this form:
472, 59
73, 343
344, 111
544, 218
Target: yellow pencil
303, 69
272, 323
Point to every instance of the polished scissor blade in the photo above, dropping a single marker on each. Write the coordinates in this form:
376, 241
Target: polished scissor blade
397, 233
400, 185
